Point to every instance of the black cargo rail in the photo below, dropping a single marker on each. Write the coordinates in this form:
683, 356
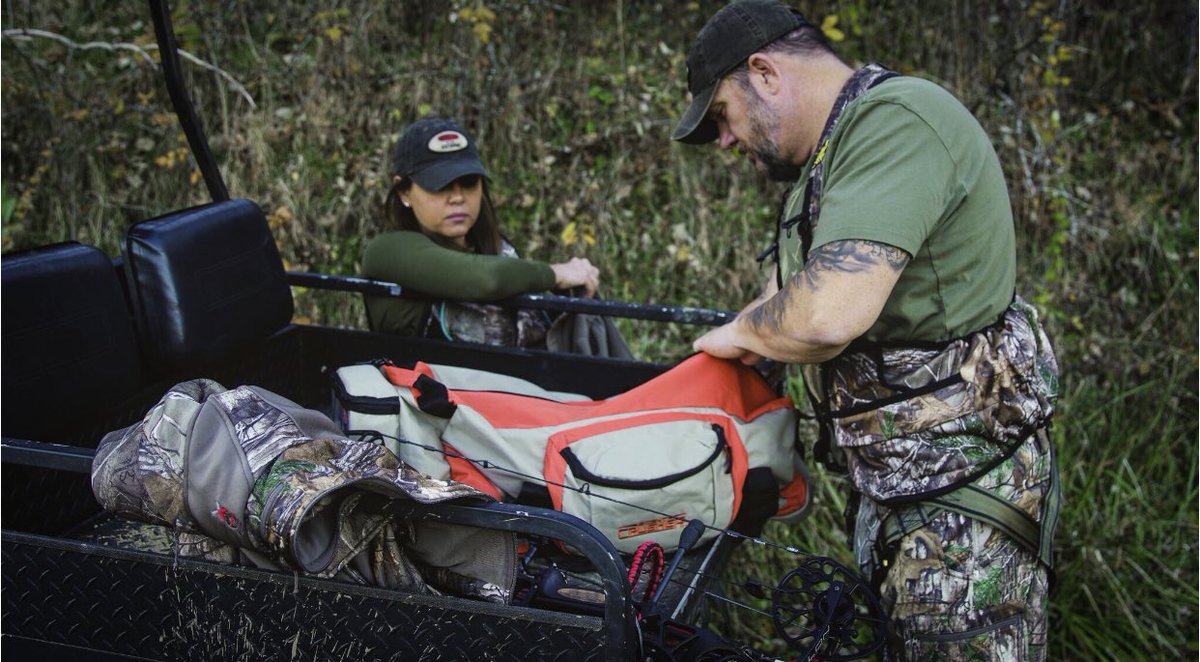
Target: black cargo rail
539, 301
46, 455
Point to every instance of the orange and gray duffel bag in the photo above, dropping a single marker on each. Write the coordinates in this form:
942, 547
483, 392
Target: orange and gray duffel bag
708, 439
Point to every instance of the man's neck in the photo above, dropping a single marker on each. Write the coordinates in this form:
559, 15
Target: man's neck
819, 82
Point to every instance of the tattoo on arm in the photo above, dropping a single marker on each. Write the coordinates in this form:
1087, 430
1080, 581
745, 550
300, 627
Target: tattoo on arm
850, 256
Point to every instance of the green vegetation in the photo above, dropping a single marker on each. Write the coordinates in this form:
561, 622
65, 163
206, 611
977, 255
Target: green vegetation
1092, 110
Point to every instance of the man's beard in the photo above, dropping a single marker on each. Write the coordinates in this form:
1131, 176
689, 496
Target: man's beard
764, 125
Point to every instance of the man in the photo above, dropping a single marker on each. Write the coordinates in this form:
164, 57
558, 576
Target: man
894, 287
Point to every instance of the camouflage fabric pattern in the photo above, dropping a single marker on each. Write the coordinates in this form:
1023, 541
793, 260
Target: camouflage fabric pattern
302, 482
486, 323
138, 471
451, 582
913, 421
200, 546
315, 504
959, 589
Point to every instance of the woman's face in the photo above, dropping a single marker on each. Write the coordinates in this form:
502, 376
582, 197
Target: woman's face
450, 212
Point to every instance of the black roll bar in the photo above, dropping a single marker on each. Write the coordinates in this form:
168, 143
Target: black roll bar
173, 75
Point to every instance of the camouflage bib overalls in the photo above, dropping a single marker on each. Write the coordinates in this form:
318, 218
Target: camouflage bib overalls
946, 448
486, 323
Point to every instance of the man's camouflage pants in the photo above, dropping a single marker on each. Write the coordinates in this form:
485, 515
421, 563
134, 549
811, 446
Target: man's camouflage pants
960, 589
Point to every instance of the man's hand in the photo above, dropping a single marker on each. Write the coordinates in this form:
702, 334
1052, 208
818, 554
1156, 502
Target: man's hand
721, 342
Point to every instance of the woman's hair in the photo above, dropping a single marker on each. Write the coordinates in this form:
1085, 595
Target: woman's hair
483, 237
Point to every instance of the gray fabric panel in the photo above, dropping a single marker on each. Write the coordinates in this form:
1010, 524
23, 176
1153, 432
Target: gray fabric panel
470, 551
217, 478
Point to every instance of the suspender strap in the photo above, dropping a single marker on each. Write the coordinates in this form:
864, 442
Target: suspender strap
1050, 508
970, 502
981, 505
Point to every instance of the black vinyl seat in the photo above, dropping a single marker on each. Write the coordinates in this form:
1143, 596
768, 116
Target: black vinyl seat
69, 346
204, 282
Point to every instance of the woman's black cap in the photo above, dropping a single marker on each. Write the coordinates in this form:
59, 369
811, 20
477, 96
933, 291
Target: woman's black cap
435, 151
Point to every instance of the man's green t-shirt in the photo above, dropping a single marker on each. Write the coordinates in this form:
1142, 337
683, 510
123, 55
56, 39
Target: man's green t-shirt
909, 166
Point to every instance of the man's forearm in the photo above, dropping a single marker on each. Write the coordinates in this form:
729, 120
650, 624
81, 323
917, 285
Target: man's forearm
833, 300
781, 329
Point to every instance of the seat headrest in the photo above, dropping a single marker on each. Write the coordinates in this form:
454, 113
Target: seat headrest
69, 349
205, 282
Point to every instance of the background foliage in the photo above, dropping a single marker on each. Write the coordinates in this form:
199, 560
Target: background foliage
1091, 105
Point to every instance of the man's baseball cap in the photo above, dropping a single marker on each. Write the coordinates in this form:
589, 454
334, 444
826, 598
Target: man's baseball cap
733, 34
434, 152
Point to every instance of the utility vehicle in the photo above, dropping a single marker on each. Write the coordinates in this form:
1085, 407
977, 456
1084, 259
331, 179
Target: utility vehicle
91, 342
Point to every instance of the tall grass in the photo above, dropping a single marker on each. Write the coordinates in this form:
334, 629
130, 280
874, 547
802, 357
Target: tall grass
1092, 109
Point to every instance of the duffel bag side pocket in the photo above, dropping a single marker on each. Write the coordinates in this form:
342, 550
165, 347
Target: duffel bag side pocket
644, 477
364, 401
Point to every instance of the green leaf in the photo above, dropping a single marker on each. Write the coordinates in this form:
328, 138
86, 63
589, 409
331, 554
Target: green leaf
829, 27
8, 204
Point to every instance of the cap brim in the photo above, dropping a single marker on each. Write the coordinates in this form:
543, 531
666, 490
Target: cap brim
439, 175
695, 128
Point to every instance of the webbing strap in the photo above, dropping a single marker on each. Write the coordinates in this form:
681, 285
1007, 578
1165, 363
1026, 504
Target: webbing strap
984, 506
1050, 507
981, 505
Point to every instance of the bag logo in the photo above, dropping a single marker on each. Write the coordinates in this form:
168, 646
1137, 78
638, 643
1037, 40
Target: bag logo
226, 516
649, 526
447, 141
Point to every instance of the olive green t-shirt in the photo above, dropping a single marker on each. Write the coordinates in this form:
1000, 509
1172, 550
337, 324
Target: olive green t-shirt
418, 264
909, 166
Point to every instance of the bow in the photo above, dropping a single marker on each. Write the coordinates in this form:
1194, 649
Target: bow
820, 608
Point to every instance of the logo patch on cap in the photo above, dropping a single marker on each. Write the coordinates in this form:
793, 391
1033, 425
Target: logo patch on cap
447, 141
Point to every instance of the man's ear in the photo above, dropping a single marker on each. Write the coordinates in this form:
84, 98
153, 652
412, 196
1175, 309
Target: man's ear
764, 74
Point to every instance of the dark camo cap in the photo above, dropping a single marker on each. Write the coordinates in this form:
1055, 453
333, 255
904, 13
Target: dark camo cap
733, 34
435, 151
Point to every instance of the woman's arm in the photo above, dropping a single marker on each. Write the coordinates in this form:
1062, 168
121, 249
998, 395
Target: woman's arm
415, 262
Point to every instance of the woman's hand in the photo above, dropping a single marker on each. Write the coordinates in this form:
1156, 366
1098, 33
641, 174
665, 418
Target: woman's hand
577, 272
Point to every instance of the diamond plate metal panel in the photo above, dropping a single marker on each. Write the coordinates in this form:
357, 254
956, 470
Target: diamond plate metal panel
143, 605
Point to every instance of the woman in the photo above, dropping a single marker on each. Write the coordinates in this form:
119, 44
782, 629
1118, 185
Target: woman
446, 249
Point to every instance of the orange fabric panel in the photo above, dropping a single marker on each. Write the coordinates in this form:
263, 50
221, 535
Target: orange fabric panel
465, 471
698, 381
794, 495
407, 377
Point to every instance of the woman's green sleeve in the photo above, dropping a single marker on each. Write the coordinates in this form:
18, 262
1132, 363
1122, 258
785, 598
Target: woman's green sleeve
416, 263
